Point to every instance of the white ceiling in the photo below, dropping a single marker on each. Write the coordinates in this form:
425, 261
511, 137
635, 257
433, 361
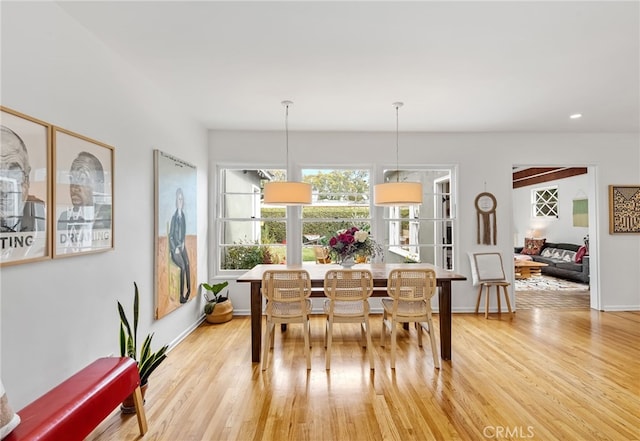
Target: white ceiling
458, 66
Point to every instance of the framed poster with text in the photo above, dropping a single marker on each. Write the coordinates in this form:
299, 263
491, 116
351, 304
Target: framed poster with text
25, 188
83, 194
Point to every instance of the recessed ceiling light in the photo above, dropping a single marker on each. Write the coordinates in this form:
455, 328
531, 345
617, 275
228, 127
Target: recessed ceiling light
575, 116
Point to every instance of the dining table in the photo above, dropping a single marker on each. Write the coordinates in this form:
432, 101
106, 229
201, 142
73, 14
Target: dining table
380, 273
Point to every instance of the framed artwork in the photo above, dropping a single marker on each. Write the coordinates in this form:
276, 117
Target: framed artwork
82, 194
624, 209
581, 212
176, 232
25, 188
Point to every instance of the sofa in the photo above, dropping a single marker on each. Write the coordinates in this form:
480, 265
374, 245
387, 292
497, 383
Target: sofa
565, 260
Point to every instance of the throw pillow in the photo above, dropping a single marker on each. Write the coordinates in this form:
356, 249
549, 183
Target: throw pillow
8, 419
532, 246
582, 251
547, 252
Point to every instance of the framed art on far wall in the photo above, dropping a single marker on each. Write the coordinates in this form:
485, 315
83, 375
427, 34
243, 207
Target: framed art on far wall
624, 209
83, 194
25, 188
176, 231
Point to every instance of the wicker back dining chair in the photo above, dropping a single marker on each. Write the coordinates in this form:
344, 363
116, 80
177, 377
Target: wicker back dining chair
487, 271
322, 254
348, 292
287, 293
411, 291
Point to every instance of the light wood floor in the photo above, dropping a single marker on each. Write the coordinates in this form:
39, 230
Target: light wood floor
546, 375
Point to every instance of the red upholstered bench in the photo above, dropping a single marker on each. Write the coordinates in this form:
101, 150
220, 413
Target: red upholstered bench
71, 410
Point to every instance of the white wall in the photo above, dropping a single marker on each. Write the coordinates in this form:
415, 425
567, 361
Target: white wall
484, 163
59, 315
558, 229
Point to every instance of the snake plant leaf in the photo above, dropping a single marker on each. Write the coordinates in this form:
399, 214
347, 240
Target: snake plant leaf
123, 343
136, 310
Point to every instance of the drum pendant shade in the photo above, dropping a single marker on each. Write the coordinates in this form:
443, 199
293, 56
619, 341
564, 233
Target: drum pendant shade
287, 193
397, 193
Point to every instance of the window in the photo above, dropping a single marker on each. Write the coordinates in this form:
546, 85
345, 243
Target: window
340, 200
544, 202
248, 232
422, 233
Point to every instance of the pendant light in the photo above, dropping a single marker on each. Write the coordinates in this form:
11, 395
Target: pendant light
287, 192
397, 193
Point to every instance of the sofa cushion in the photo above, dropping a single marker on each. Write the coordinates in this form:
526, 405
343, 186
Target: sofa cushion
532, 246
558, 254
571, 266
582, 251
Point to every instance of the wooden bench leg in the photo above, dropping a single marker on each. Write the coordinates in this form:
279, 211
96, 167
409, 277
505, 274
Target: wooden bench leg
142, 417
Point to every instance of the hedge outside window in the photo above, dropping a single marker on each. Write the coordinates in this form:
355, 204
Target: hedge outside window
341, 200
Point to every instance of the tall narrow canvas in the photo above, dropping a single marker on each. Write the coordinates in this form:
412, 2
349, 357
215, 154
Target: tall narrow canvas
176, 232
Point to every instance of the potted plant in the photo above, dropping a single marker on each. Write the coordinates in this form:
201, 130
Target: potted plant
218, 307
148, 361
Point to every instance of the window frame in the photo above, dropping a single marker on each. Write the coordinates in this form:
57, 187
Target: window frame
437, 251
378, 219
536, 194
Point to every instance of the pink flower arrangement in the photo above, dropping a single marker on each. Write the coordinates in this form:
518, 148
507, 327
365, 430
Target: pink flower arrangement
353, 242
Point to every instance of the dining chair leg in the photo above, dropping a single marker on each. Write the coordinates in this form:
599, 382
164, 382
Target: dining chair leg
369, 345
269, 330
384, 328
419, 335
434, 348
307, 351
272, 333
498, 297
329, 341
394, 331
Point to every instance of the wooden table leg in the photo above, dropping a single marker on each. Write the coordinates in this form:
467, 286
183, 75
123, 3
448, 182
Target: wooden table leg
444, 299
256, 321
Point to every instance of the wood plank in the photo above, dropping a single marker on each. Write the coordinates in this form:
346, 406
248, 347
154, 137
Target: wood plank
542, 176
546, 374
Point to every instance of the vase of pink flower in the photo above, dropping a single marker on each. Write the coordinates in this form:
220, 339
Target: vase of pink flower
348, 245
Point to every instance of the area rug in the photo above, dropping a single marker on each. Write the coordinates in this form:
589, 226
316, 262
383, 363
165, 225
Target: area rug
548, 283
545, 292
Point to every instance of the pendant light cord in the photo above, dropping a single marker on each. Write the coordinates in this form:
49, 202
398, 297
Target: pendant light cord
397, 145
397, 105
286, 104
